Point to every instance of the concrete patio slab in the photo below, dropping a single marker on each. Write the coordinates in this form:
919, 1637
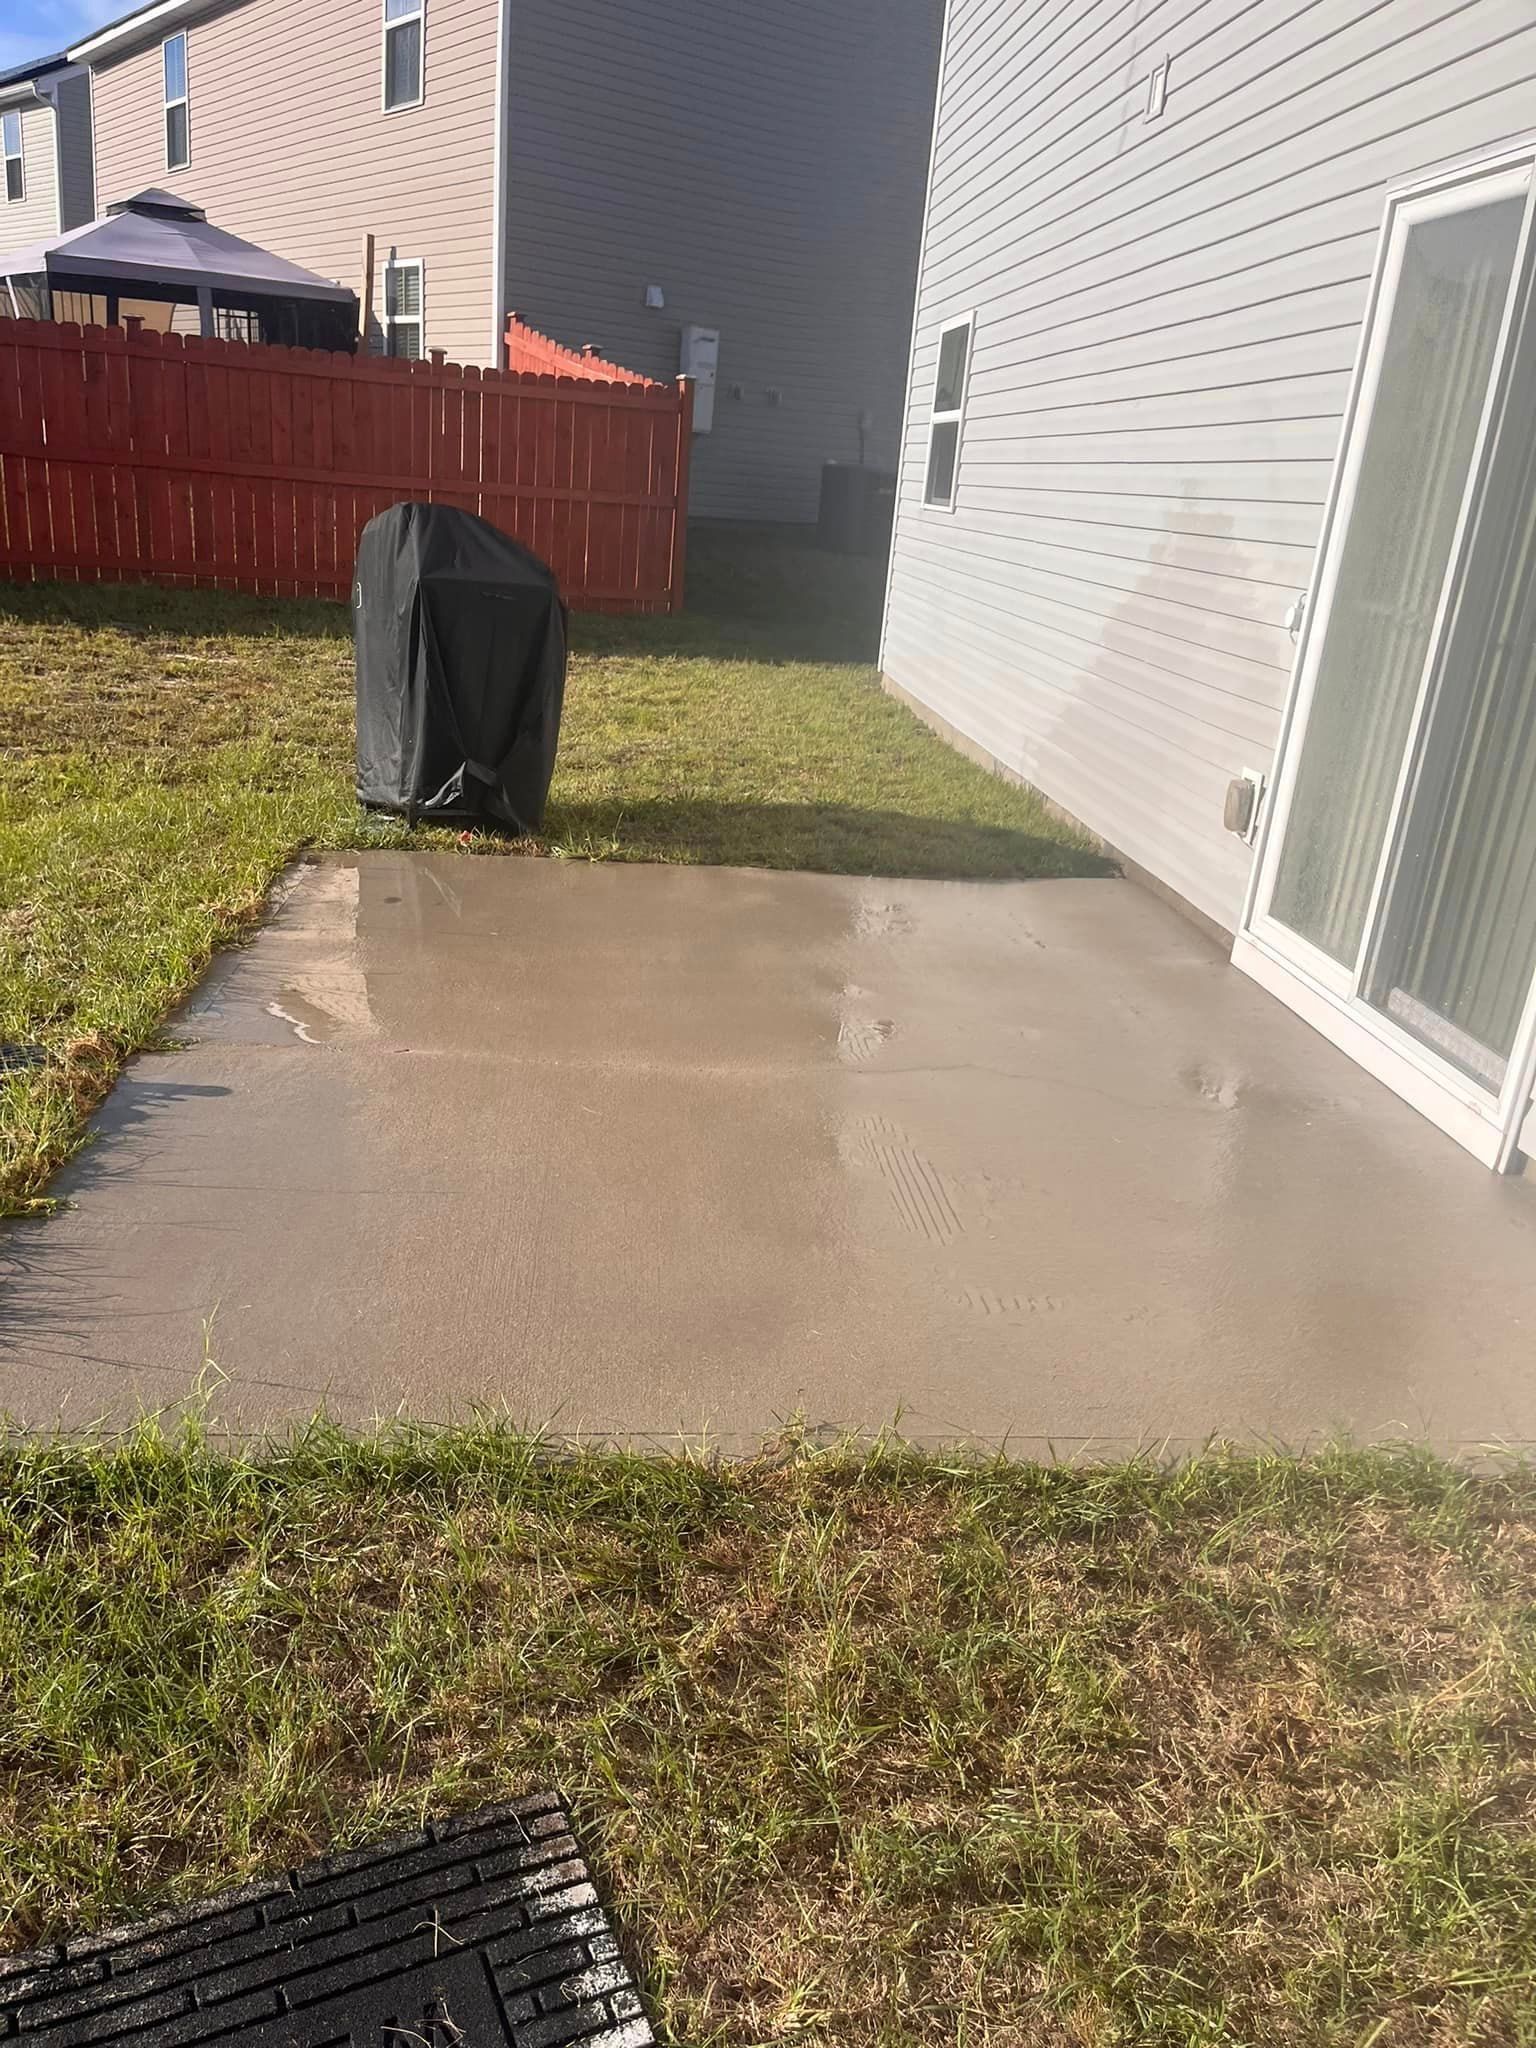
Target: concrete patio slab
641, 1151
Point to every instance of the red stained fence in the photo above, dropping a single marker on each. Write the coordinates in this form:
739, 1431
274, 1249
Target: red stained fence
531, 351
156, 457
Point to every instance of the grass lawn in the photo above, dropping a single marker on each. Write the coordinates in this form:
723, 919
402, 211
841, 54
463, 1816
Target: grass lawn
869, 1749
163, 753
875, 1749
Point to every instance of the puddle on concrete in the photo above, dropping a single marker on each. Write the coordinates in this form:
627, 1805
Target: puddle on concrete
308, 1021
303, 971
327, 997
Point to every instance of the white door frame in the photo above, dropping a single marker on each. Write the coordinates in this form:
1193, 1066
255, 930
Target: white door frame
1326, 994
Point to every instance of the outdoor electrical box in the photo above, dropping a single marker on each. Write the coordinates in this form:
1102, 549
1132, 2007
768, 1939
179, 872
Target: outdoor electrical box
700, 360
1240, 813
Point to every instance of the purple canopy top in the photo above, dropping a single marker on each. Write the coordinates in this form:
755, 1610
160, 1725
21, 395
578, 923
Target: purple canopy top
156, 238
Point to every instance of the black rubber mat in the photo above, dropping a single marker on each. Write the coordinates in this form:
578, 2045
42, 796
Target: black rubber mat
471, 1933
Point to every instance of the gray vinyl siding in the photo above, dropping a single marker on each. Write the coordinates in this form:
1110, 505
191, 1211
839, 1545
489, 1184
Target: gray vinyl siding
1167, 314
77, 182
765, 167
36, 213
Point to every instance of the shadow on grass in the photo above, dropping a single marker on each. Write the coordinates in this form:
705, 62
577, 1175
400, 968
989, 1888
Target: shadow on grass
838, 839
753, 594
149, 611
757, 593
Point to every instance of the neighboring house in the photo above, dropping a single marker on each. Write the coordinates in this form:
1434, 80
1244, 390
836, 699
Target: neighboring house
1220, 306
617, 174
45, 150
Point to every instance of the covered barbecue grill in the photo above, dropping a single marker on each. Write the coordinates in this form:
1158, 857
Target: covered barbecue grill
460, 639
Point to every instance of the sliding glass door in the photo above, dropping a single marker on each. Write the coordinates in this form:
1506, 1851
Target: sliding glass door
1395, 894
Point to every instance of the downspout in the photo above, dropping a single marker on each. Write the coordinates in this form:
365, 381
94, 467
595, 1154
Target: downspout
58, 163
48, 91
499, 190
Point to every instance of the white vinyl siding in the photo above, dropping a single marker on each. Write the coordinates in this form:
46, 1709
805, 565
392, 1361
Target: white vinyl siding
178, 107
1167, 316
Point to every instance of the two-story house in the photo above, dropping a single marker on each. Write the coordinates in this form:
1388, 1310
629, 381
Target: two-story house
46, 182
1217, 520
637, 178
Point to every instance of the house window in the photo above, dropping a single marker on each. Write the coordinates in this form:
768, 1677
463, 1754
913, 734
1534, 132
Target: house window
402, 307
405, 24
15, 183
178, 130
949, 381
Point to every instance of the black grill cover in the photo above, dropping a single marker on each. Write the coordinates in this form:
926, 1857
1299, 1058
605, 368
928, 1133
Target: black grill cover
460, 638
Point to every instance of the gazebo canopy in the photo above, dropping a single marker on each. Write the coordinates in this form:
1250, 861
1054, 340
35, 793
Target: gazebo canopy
158, 248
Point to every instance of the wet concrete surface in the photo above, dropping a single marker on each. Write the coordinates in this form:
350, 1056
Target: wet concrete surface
649, 1151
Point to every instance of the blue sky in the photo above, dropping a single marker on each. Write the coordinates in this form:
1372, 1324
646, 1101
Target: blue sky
31, 28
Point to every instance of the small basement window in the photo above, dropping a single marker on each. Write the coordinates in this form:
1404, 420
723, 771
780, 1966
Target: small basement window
178, 128
10, 144
949, 381
405, 23
402, 307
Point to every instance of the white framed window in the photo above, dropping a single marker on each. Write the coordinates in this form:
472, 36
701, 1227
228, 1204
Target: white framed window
405, 37
178, 120
403, 307
950, 376
10, 145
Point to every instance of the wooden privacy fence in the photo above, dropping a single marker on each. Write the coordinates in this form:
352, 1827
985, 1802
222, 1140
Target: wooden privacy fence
157, 457
530, 351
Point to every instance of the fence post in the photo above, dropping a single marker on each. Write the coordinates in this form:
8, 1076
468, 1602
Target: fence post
676, 571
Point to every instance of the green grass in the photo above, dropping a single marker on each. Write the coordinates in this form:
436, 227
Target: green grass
869, 1749
163, 753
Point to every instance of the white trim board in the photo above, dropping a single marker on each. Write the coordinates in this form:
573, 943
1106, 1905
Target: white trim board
121, 35
1383, 1062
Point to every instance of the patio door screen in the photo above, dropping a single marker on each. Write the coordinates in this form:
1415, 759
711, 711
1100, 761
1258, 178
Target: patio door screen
1394, 896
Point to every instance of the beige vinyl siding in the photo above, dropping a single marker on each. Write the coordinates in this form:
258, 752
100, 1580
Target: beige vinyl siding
1167, 316
292, 149
764, 166
36, 213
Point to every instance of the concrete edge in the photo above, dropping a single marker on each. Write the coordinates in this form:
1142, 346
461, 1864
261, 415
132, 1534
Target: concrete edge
1133, 871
